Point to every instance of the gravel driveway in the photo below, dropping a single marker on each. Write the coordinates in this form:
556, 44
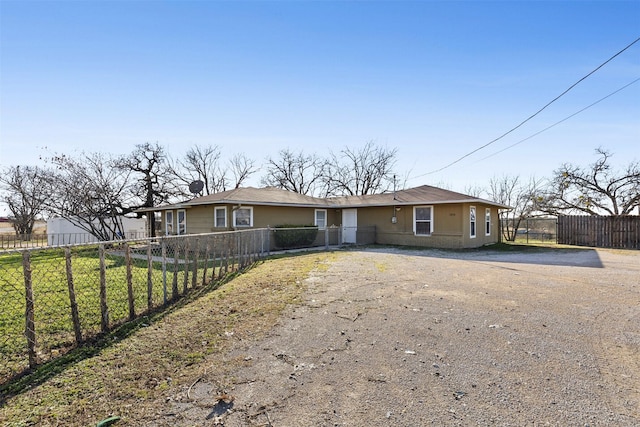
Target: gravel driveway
421, 338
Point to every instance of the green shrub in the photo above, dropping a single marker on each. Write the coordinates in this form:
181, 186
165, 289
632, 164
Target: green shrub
289, 236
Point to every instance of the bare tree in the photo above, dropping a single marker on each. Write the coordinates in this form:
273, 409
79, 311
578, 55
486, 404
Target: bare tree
297, 172
363, 171
474, 190
242, 167
595, 190
203, 163
153, 184
25, 193
519, 196
91, 192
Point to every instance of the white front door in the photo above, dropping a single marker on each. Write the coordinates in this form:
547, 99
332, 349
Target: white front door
349, 225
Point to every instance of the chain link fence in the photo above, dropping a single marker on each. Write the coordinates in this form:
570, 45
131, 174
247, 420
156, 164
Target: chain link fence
53, 299
10, 241
530, 230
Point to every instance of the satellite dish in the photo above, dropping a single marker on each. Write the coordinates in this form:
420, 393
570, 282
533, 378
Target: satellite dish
196, 186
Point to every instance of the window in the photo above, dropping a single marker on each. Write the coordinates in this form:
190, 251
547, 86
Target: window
321, 219
182, 221
423, 220
472, 221
487, 221
243, 217
221, 217
168, 228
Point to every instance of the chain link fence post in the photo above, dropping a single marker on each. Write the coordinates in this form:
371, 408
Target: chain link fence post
75, 316
104, 308
30, 327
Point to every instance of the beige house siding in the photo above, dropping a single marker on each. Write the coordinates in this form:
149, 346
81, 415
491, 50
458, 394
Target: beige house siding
447, 227
271, 216
201, 219
451, 226
481, 239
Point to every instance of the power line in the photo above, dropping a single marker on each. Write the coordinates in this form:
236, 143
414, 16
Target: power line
531, 116
561, 121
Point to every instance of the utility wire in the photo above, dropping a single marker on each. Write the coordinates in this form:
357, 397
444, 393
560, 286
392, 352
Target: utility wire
531, 116
561, 121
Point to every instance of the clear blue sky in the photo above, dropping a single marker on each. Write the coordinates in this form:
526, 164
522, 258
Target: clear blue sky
435, 80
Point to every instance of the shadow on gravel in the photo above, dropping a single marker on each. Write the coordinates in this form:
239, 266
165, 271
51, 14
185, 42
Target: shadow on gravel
509, 253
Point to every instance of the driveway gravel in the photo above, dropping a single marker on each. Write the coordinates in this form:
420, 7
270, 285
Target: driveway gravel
442, 338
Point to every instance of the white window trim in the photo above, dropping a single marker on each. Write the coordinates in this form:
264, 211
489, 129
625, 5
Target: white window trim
473, 219
168, 223
487, 221
178, 221
215, 216
315, 218
415, 233
250, 217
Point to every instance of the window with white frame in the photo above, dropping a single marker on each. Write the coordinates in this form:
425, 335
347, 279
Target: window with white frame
182, 221
487, 221
243, 217
321, 219
472, 221
423, 220
168, 223
221, 217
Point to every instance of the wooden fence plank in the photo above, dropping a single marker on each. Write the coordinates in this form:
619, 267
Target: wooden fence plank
149, 278
600, 231
129, 267
104, 308
75, 317
30, 326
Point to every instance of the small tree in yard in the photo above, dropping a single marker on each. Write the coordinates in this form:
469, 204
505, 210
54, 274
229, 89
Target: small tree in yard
25, 193
595, 190
519, 196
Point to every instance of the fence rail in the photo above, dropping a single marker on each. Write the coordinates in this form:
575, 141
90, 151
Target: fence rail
11, 241
600, 231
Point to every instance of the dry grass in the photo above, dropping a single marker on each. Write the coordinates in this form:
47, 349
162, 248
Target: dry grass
132, 375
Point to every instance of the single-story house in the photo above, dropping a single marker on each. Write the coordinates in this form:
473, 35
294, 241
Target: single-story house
421, 216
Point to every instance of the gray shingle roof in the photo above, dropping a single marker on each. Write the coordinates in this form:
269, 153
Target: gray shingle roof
265, 196
272, 196
424, 194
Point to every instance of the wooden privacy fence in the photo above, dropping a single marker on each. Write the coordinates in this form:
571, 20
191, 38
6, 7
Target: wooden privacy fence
600, 231
55, 298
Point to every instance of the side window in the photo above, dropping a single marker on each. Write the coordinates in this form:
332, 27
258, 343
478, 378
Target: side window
221, 217
182, 221
243, 217
168, 229
423, 220
321, 219
487, 221
472, 221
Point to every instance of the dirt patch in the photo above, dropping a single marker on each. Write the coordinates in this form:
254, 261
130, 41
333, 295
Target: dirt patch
389, 337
